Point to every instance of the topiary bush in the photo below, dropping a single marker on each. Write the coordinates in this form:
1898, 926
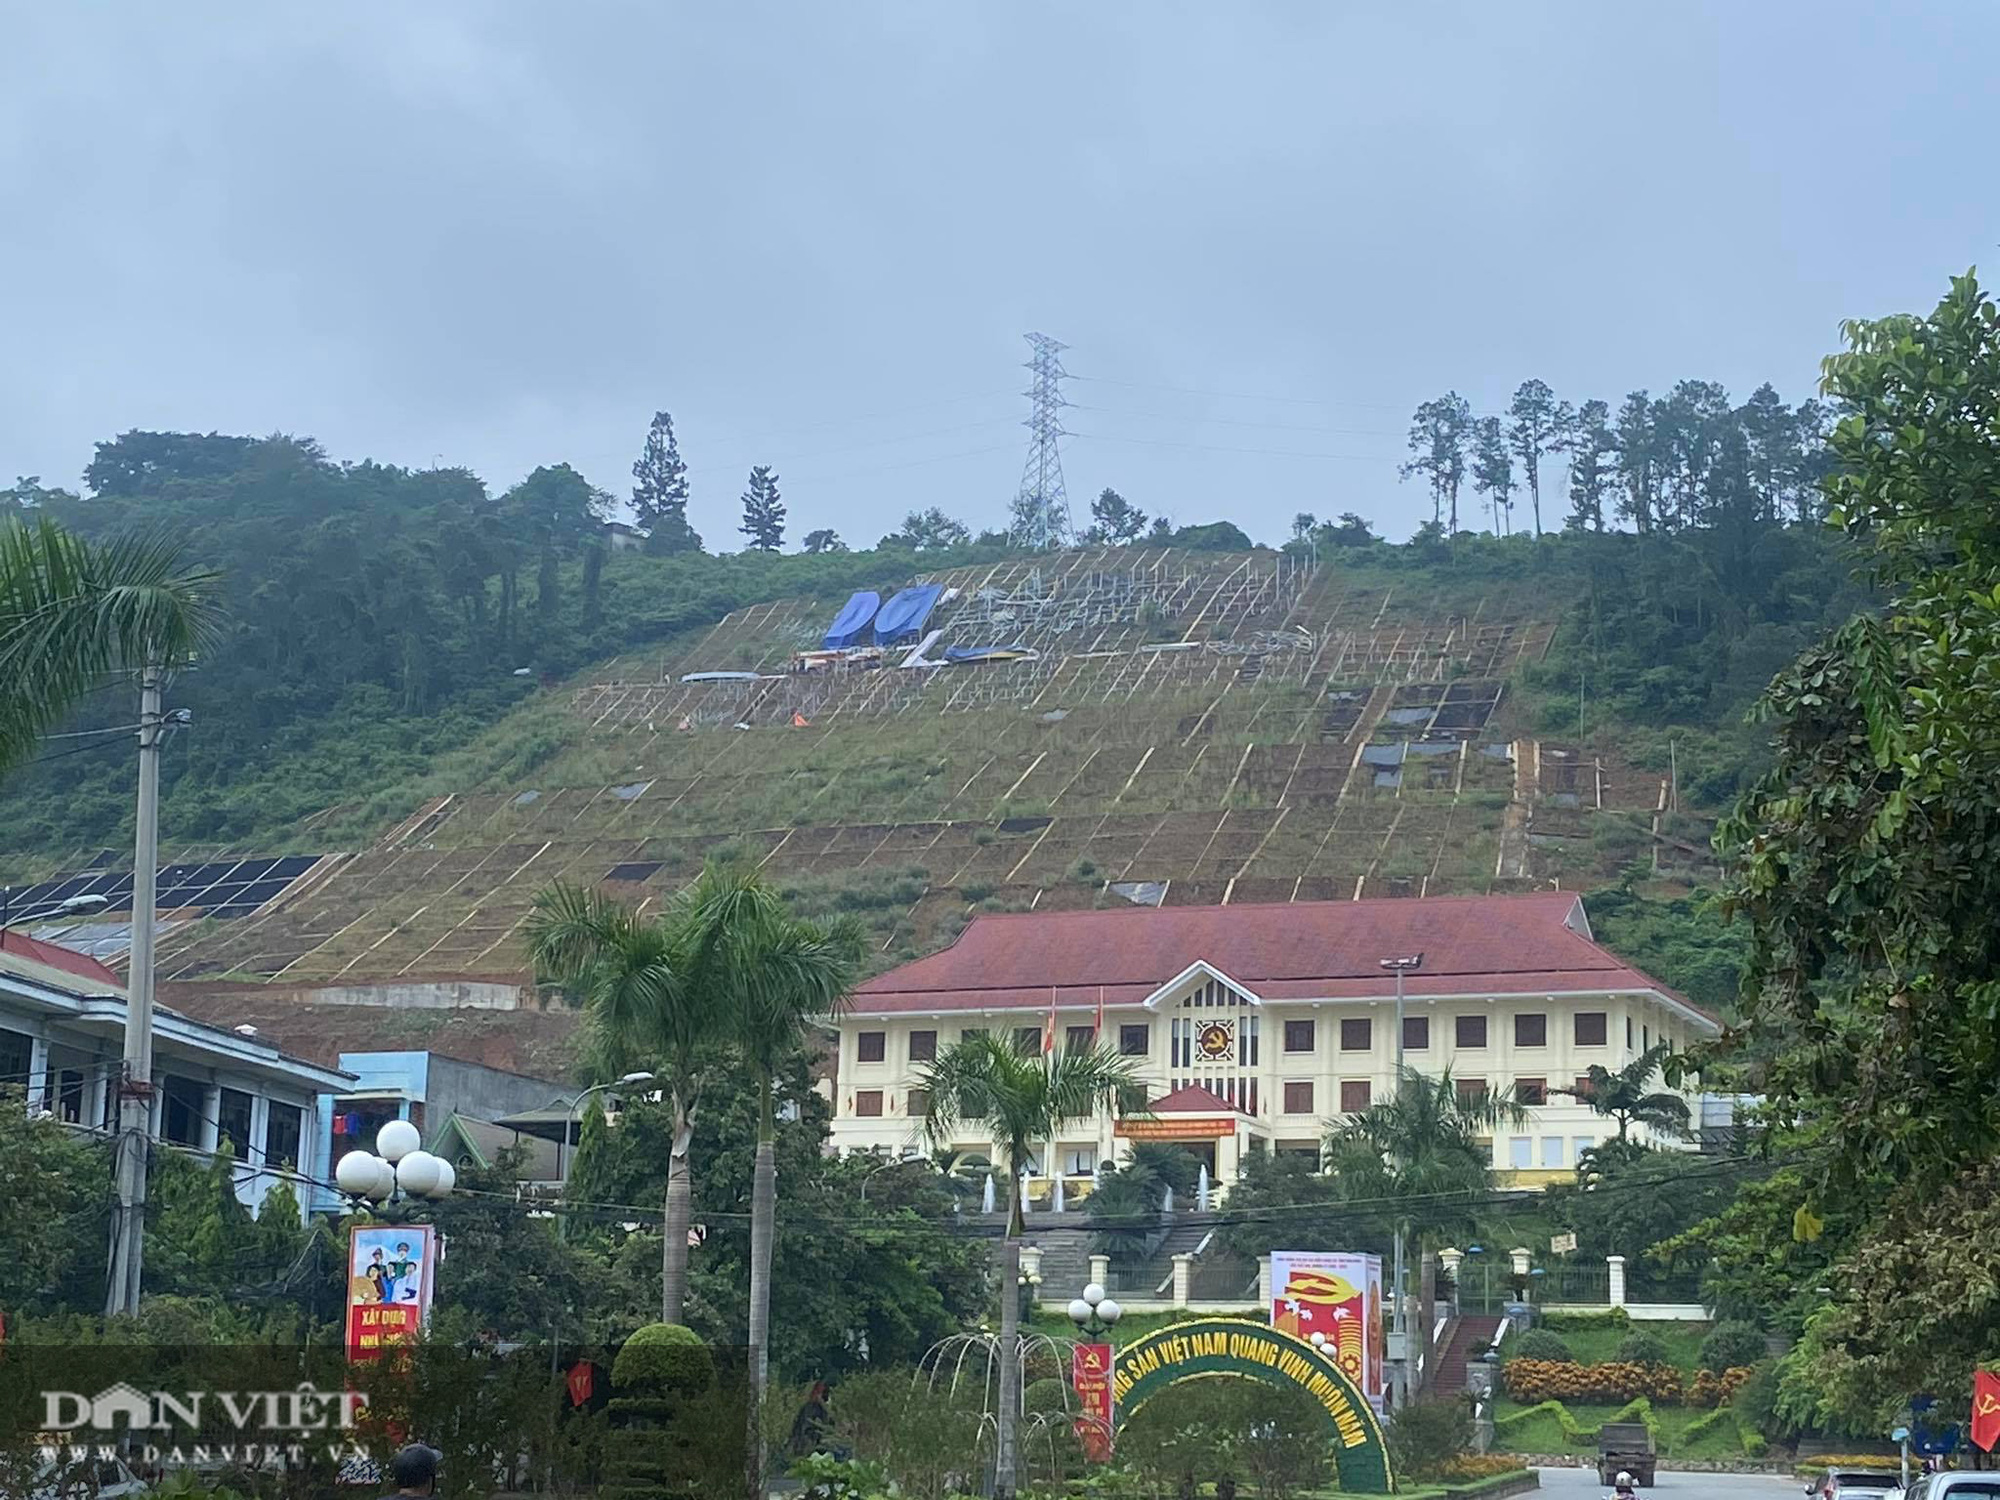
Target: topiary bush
663, 1359
1641, 1347
1730, 1346
1542, 1344
1044, 1396
1425, 1435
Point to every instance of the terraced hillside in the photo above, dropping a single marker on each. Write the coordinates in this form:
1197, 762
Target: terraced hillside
1187, 728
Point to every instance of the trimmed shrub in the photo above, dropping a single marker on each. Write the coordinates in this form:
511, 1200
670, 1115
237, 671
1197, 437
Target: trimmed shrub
1541, 1344
1044, 1396
1641, 1347
663, 1359
1533, 1381
1711, 1389
1611, 1317
1730, 1345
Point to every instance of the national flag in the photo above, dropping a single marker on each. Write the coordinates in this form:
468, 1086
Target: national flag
1049, 1031
1985, 1409
582, 1380
1098, 1034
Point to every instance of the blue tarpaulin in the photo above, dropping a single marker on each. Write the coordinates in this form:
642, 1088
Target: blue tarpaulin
852, 622
903, 617
984, 653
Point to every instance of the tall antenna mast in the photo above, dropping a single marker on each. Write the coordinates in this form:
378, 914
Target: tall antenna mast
1041, 507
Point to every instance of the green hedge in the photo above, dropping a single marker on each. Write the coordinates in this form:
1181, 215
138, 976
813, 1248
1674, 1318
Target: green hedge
1614, 1317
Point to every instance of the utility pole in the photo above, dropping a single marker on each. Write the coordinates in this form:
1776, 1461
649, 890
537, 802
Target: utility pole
1399, 1321
1041, 506
135, 1086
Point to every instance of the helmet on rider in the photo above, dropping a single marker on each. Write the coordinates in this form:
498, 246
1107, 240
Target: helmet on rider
1624, 1480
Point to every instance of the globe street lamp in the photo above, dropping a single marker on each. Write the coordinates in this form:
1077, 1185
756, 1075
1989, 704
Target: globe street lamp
1094, 1313
397, 1171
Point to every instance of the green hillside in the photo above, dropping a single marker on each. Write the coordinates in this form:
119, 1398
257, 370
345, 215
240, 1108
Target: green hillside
1323, 722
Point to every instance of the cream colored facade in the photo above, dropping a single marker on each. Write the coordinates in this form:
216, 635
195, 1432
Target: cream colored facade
1291, 1067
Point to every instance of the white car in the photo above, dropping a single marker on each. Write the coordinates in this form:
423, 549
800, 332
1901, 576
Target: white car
1955, 1484
1855, 1484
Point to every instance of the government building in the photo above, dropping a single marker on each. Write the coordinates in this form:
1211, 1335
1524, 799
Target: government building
1258, 1027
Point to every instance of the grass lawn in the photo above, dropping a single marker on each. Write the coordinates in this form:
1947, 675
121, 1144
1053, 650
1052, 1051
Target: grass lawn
1544, 1434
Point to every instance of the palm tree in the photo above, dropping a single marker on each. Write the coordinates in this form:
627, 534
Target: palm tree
774, 976
1425, 1145
73, 611
1624, 1096
1022, 1099
634, 978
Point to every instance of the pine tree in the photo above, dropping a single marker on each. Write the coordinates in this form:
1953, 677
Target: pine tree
1115, 519
1593, 455
1438, 433
763, 511
1493, 471
660, 493
1536, 429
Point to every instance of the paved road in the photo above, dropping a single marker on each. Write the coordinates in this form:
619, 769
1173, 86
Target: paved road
1581, 1484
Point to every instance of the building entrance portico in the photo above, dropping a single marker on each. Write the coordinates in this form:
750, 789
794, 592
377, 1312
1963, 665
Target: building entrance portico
1199, 1122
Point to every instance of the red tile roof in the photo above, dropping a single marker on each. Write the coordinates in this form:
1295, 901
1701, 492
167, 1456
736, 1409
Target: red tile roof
54, 956
1471, 945
1192, 1100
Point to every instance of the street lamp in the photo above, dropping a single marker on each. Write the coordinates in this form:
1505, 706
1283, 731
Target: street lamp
1485, 1276
1398, 1316
398, 1170
895, 1161
569, 1118
1094, 1313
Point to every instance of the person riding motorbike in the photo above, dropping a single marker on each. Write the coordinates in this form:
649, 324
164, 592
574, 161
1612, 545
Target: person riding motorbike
1622, 1488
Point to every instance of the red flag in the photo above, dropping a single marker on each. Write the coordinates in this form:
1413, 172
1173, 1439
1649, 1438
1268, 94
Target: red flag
581, 1381
1985, 1409
1098, 1035
1049, 1031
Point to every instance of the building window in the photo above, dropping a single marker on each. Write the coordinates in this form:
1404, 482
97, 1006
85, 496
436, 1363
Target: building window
868, 1103
1552, 1150
1079, 1161
1582, 1143
1353, 1095
1357, 1034
923, 1046
1470, 1090
1531, 1090
180, 1111
871, 1046
1520, 1152
971, 1033
1135, 1041
1027, 1040
1582, 1086
1645, 1039
1307, 1149
1590, 1028
233, 1121
1531, 1029
1080, 1038
1298, 1098
920, 1103
284, 1126
1469, 1032
1628, 1033
1299, 1036
17, 1054
1416, 1033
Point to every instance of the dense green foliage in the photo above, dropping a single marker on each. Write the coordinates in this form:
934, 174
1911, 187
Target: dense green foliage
1543, 1344
1730, 1345
1863, 860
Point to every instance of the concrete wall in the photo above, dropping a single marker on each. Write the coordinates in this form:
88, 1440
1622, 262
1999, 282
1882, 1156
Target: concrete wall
486, 1093
441, 994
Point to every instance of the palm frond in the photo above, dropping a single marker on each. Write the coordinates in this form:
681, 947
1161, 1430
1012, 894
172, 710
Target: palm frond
73, 611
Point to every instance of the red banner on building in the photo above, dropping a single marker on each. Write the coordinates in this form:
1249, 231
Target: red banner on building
1985, 1409
389, 1271
1090, 1374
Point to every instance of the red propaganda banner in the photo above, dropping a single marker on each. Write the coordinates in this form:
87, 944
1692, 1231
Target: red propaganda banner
1090, 1374
1985, 1409
389, 1271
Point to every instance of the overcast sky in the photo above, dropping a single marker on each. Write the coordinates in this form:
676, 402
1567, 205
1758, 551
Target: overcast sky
500, 235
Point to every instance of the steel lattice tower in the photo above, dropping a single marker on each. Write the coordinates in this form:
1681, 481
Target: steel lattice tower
1041, 507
